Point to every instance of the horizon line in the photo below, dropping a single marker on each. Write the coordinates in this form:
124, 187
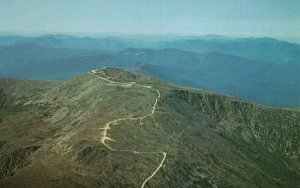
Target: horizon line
133, 34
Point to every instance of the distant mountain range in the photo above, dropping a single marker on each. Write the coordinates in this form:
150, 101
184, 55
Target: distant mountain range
261, 70
266, 83
72, 42
266, 50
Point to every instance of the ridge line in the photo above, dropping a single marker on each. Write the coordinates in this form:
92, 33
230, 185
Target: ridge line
107, 125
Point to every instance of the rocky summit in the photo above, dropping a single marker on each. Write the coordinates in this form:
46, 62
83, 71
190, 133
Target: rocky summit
113, 128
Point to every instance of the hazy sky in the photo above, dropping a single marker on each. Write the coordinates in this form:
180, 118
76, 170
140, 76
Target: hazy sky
197, 17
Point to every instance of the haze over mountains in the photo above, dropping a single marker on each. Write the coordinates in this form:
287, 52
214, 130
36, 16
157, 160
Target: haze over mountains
260, 70
149, 94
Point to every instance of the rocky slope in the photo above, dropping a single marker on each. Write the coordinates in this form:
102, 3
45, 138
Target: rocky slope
51, 135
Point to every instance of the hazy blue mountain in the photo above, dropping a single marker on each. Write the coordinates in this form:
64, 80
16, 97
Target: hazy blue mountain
216, 63
55, 57
266, 83
13, 40
25, 56
73, 42
262, 49
65, 68
26, 52
109, 43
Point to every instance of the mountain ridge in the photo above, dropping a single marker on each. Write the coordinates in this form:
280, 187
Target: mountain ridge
210, 139
268, 74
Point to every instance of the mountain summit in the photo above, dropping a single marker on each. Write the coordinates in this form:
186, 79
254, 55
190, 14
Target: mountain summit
113, 128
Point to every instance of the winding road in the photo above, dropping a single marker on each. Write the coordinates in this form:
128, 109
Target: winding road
114, 122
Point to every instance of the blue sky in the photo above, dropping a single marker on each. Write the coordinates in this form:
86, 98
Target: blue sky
184, 17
